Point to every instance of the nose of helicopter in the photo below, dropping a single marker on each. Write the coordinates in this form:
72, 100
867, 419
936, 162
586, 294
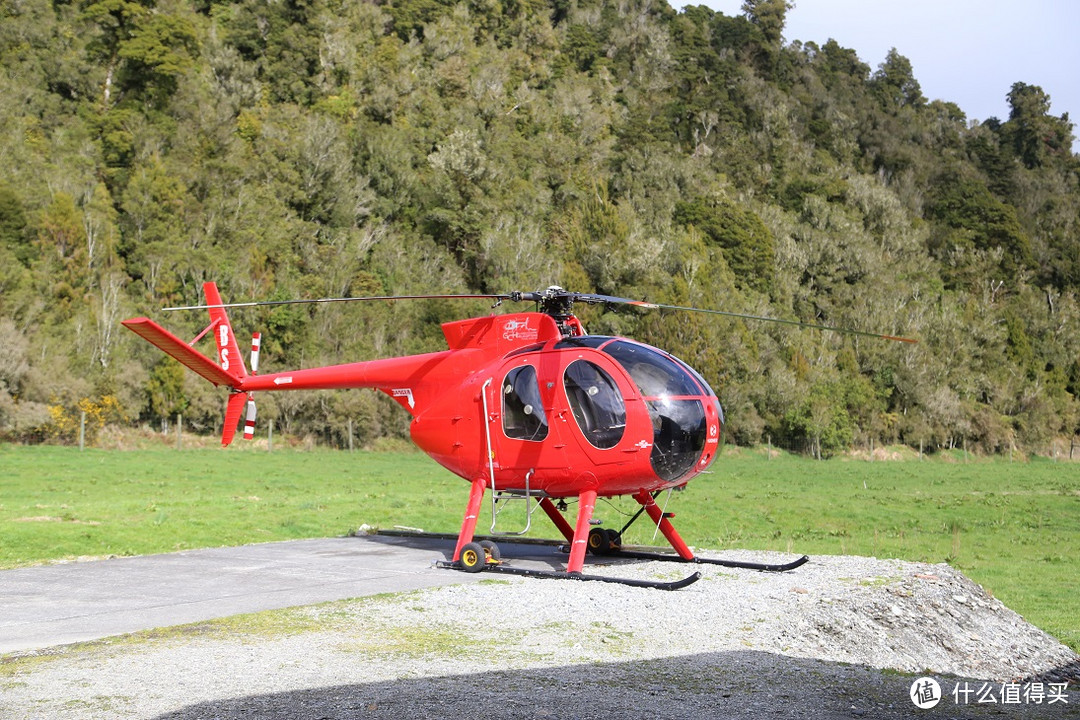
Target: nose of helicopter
685, 414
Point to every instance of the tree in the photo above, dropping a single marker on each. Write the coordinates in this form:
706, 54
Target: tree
13, 227
1034, 134
165, 389
895, 83
291, 148
161, 48
770, 16
116, 21
747, 242
971, 220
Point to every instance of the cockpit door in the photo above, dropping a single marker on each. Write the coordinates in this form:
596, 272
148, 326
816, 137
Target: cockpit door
525, 439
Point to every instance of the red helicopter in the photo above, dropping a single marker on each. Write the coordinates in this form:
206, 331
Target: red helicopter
524, 405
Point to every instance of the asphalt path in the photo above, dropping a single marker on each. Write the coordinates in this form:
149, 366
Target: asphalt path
46, 606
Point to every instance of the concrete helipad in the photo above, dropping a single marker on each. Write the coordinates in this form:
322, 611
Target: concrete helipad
52, 605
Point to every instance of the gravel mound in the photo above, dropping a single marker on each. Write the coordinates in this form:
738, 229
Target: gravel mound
810, 643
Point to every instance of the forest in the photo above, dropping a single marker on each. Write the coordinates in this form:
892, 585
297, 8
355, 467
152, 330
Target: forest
327, 148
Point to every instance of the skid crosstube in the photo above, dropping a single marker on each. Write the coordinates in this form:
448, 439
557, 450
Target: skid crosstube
562, 575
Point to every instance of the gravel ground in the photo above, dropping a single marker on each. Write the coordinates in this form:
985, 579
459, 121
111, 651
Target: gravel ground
839, 637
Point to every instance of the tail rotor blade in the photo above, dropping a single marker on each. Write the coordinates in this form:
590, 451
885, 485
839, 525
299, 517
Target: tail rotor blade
249, 421
256, 343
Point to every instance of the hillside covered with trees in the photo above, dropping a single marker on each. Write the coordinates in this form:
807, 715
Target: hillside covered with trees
311, 148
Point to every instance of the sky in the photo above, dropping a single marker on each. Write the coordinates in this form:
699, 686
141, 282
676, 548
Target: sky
969, 52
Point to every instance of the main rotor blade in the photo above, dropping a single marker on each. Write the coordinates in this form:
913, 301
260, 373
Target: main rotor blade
551, 294
264, 303
593, 299
764, 318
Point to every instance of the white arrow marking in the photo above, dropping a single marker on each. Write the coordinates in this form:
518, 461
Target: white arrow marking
283, 380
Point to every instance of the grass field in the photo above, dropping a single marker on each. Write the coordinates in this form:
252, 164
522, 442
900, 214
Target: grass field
1014, 527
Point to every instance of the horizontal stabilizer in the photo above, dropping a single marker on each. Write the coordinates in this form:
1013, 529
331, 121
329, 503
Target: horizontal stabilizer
181, 351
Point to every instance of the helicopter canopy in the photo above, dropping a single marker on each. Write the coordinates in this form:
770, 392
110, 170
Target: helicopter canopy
673, 393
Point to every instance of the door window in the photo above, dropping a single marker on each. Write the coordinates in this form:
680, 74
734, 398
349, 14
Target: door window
596, 403
523, 415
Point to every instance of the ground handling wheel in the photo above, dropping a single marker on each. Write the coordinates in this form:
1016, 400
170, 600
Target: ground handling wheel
491, 551
473, 558
602, 541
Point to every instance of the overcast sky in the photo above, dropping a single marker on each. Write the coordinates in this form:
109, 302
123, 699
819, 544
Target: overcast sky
969, 52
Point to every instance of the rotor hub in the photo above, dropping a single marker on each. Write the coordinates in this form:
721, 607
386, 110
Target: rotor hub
555, 302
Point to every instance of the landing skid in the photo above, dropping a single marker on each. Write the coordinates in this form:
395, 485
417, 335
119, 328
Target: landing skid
763, 567
499, 567
474, 557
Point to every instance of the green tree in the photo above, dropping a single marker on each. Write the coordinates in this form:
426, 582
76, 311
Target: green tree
822, 418
116, 21
14, 236
770, 16
971, 221
165, 389
746, 241
153, 241
894, 82
1035, 135
160, 49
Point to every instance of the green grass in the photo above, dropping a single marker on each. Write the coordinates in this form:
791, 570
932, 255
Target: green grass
1014, 527
57, 503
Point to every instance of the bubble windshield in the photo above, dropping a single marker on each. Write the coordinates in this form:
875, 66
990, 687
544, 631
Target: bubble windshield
673, 397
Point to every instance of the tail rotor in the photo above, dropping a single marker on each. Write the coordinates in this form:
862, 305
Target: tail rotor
256, 343
249, 419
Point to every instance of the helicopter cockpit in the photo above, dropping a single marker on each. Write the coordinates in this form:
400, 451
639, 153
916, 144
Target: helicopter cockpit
673, 393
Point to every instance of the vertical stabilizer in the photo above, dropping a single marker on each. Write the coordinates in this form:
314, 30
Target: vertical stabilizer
224, 337
237, 401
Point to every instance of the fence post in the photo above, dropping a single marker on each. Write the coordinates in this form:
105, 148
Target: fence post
179, 430
270, 437
82, 430
350, 435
